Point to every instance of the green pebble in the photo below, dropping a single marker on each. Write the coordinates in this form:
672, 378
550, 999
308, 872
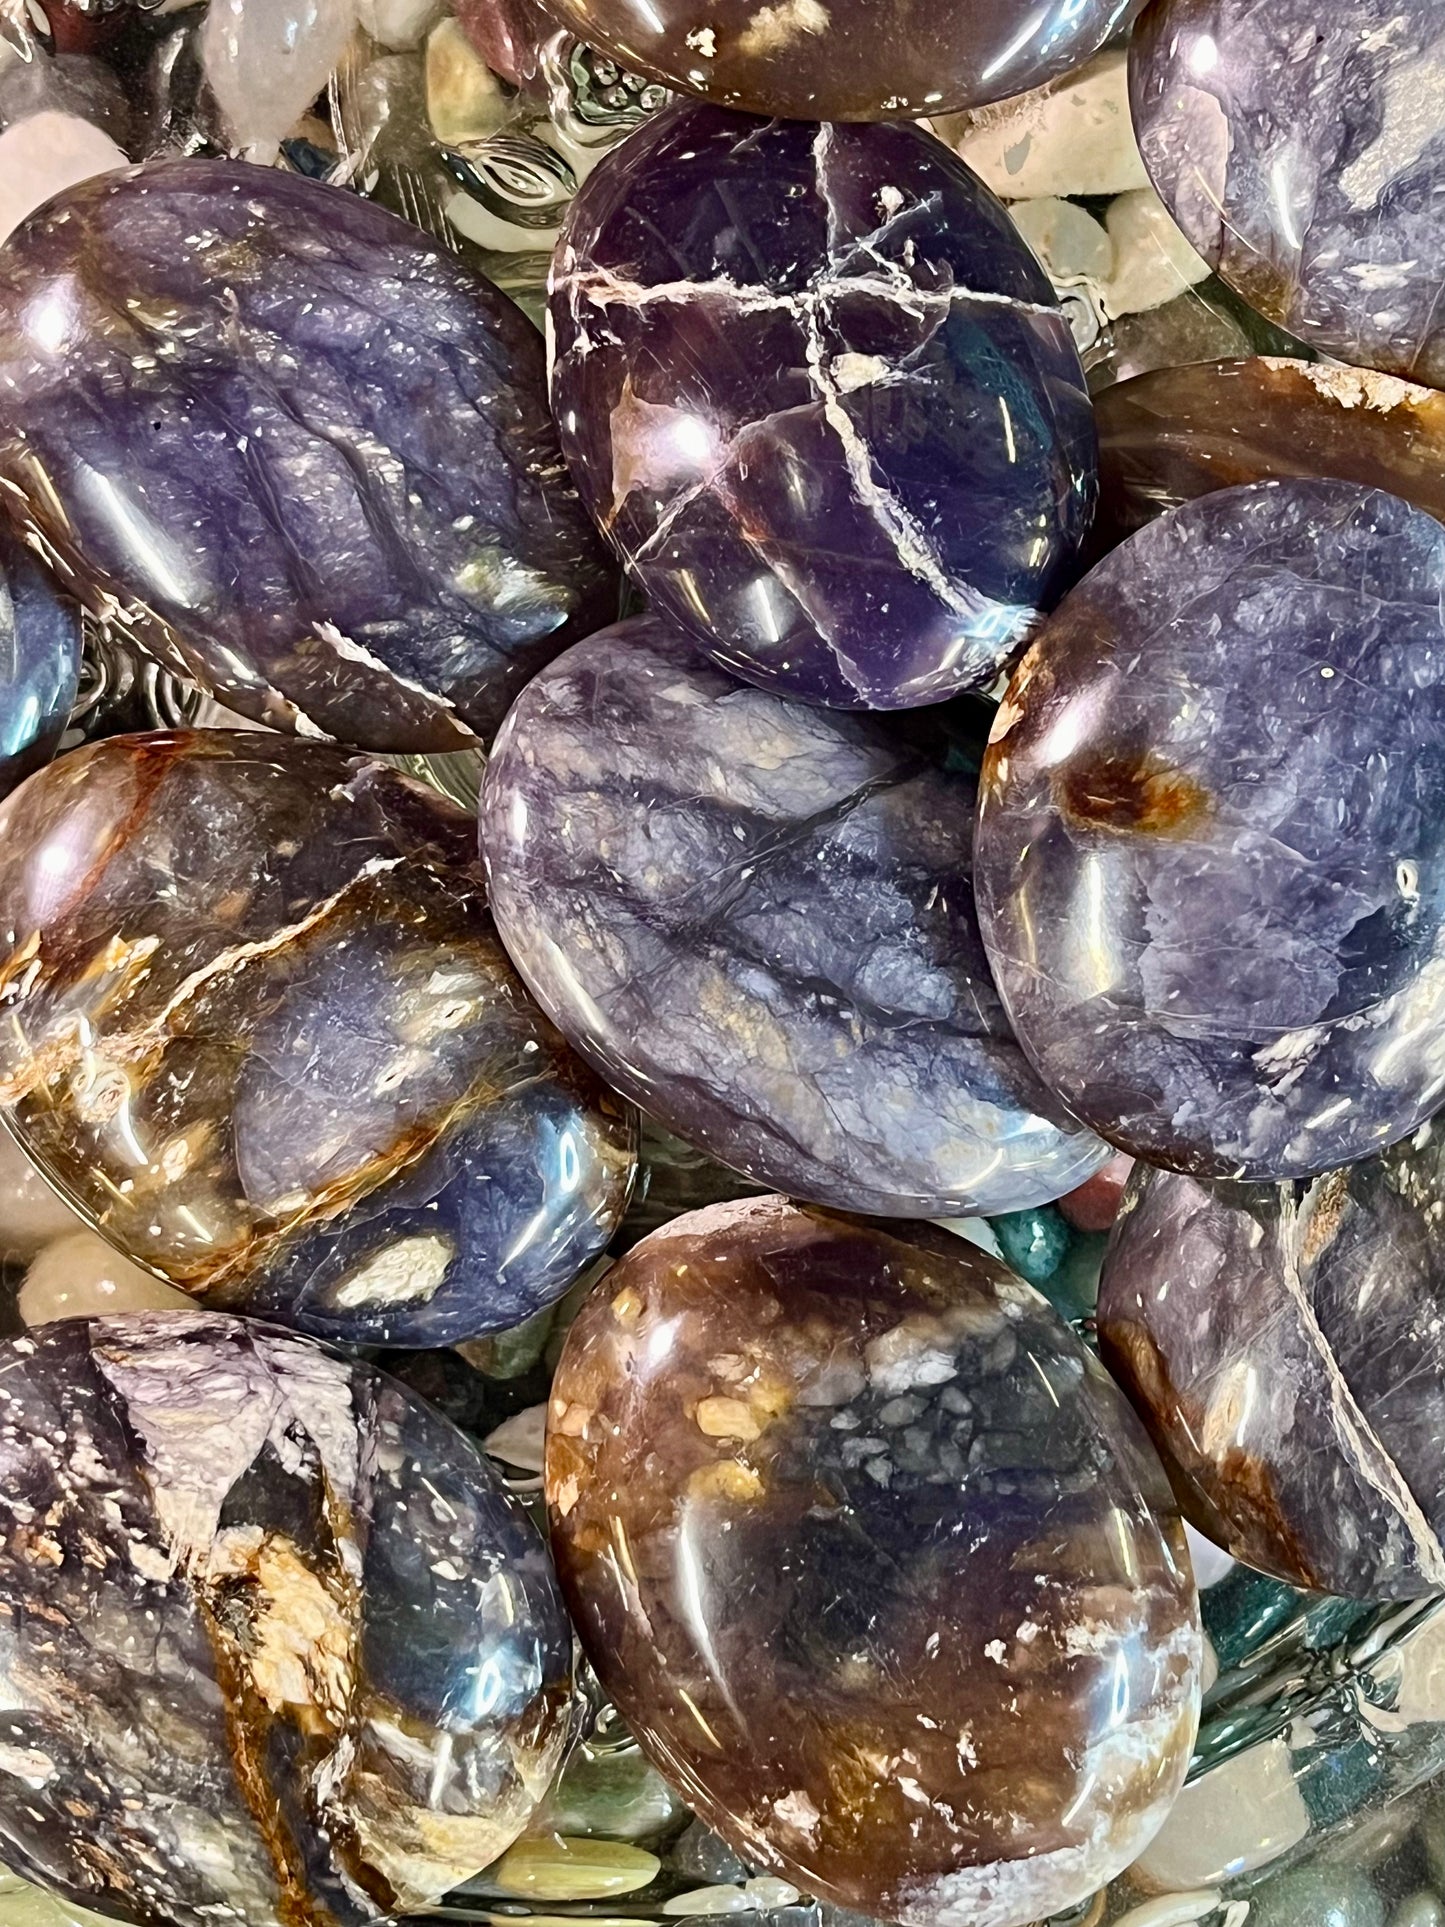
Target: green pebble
1317, 1896
1335, 1782
554, 1867
617, 1796
1033, 1243
1243, 1610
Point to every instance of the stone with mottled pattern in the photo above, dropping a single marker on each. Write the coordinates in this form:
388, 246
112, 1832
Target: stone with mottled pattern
1285, 1347
847, 59
820, 394
876, 1563
1301, 149
756, 919
1211, 846
299, 452
1174, 433
278, 1647
258, 1027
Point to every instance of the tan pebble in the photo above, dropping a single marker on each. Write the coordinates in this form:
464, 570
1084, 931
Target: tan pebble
557, 1866
81, 1276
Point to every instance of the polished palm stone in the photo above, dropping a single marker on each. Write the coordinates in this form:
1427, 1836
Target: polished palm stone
1211, 848
1285, 1347
1174, 434
756, 919
303, 455
278, 1648
820, 394
40, 646
258, 1026
1301, 149
875, 1561
847, 59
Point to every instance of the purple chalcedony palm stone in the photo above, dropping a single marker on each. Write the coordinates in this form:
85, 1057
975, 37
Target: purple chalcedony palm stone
1284, 1345
1300, 147
819, 393
756, 918
1211, 851
303, 453
279, 1648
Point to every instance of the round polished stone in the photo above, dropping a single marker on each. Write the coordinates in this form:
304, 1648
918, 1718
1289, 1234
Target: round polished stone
1211, 848
278, 1647
259, 1028
756, 919
1300, 148
875, 1561
1285, 1348
40, 646
820, 394
300, 453
847, 59
1176, 433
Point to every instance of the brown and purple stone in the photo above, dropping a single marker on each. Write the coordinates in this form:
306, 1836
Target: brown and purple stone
259, 1029
875, 1561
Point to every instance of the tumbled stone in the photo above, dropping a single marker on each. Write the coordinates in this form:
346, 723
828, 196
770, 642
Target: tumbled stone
1167, 437
265, 61
32, 1213
44, 154
848, 60
81, 1276
1071, 136
258, 1027
1300, 149
756, 918
1284, 1346
875, 1562
820, 394
40, 649
1153, 262
554, 1866
278, 1648
305, 456
1211, 848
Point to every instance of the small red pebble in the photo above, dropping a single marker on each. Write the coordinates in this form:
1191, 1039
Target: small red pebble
1095, 1205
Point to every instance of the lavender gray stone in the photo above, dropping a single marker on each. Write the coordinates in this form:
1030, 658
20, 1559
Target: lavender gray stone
1211, 850
822, 397
278, 1647
756, 918
1284, 1345
302, 454
1302, 150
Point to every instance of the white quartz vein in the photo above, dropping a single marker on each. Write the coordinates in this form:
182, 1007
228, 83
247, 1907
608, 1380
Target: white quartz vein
601, 288
1358, 1438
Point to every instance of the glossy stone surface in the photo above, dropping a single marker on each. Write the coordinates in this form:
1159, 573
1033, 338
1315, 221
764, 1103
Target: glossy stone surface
756, 919
1300, 148
40, 647
1211, 848
848, 59
875, 1561
1285, 1347
1169, 436
819, 393
258, 1025
278, 1649
308, 454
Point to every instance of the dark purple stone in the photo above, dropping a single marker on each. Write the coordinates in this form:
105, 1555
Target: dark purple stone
820, 394
301, 452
